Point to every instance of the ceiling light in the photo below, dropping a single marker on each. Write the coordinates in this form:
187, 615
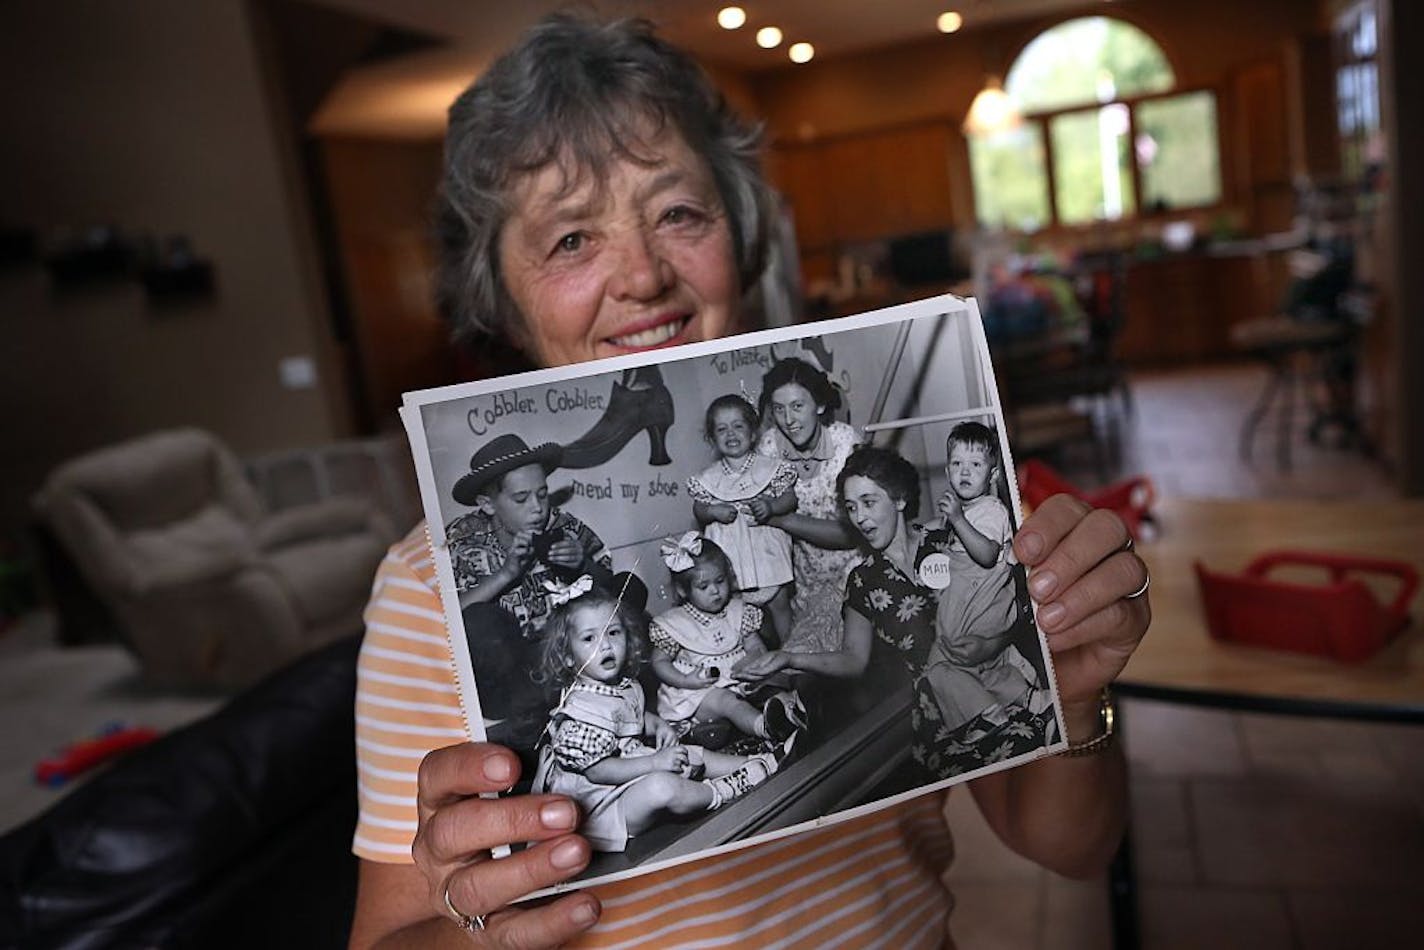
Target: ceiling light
801, 52
949, 22
768, 37
731, 18
992, 111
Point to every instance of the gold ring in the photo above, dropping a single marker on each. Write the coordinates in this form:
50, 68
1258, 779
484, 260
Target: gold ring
469, 922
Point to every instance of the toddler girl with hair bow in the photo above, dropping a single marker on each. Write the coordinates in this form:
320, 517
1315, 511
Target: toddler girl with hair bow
697, 644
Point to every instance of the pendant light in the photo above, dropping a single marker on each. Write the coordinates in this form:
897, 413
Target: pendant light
992, 111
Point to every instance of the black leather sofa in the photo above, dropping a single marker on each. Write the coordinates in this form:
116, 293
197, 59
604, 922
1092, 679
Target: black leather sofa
234, 831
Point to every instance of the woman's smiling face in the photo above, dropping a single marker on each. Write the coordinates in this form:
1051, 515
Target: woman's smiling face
872, 511
637, 259
796, 414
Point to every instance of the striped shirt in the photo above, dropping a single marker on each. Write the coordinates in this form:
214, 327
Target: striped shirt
875, 881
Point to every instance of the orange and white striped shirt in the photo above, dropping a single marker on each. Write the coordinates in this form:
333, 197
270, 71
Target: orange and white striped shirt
875, 881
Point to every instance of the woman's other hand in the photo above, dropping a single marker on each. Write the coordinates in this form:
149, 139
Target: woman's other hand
759, 509
458, 828
754, 668
1081, 573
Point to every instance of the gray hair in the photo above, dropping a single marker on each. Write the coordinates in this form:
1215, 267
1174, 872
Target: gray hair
578, 93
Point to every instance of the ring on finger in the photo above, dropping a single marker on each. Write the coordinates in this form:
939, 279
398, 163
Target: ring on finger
474, 923
1126, 545
1146, 581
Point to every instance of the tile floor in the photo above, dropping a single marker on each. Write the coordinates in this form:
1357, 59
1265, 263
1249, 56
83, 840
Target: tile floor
1251, 831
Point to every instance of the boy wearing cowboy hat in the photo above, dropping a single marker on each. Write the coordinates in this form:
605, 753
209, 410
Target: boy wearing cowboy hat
515, 539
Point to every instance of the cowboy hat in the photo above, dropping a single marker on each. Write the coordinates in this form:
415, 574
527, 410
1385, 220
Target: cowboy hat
499, 455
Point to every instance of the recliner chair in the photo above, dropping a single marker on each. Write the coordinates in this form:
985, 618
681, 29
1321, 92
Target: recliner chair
208, 586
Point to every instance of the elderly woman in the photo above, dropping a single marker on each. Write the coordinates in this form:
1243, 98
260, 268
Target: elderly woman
600, 199
800, 402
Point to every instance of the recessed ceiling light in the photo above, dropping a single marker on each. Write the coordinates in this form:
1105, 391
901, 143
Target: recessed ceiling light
768, 37
949, 22
801, 52
731, 18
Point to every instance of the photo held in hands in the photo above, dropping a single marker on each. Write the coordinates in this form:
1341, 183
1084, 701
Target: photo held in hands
728, 591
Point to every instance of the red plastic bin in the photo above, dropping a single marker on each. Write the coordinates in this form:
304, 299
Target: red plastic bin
1341, 619
1131, 499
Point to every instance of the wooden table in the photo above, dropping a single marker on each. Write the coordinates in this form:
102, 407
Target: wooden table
1179, 662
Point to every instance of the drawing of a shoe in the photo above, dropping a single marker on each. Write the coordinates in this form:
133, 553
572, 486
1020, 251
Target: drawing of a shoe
638, 402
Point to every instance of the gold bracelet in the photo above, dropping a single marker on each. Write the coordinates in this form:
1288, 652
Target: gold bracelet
1107, 714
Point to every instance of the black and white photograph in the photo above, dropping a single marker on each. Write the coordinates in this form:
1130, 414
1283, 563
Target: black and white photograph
754, 584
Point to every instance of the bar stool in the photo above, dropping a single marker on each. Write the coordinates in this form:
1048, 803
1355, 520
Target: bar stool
1294, 351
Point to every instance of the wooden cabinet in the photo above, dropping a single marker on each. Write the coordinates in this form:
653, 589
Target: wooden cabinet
1180, 309
866, 187
798, 173
1261, 154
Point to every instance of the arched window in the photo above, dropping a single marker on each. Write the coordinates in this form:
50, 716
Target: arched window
1105, 133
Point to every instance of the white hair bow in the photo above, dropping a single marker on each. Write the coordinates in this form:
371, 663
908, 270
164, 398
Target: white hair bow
678, 552
560, 594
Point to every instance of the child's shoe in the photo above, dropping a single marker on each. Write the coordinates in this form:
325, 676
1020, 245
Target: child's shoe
783, 715
777, 724
796, 709
710, 733
736, 783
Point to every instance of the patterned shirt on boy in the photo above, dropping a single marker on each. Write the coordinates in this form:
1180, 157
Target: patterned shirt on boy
476, 552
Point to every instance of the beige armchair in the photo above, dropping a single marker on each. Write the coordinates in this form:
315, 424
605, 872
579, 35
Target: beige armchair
208, 586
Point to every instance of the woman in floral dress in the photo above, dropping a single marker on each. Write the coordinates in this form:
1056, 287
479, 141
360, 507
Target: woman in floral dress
885, 601
800, 401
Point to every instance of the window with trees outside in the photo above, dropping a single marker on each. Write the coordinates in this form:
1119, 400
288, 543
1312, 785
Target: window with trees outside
1106, 134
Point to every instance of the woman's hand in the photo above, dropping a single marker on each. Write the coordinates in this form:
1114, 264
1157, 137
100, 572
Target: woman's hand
760, 510
458, 828
754, 668
1080, 575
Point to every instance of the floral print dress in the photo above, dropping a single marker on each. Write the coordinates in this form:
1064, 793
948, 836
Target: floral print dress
816, 624
902, 613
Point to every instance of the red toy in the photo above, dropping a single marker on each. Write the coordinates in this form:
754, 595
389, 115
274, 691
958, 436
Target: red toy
1341, 619
86, 754
1130, 499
